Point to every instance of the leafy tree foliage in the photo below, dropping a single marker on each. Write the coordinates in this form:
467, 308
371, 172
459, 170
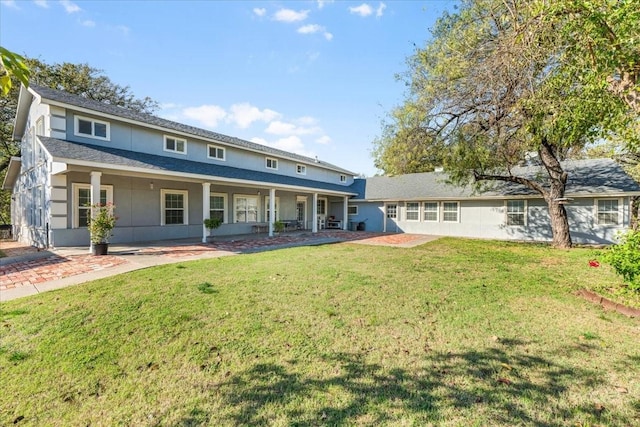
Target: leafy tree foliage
11, 64
502, 81
79, 79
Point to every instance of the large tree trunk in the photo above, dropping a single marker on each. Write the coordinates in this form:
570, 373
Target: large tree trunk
555, 197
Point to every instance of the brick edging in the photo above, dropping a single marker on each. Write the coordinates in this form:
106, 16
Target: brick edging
608, 304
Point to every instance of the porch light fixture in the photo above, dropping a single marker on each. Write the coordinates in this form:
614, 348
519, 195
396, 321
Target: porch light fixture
151, 185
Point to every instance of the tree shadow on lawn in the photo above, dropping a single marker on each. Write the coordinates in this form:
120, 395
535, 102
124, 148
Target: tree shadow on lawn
503, 387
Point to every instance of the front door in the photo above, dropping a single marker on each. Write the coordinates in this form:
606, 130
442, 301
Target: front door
301, 213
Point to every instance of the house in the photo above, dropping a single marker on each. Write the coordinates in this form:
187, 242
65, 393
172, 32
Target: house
598, 204
165, 178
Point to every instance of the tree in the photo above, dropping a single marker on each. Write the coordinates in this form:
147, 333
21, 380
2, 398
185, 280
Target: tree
498, 82
79, 79
11, 64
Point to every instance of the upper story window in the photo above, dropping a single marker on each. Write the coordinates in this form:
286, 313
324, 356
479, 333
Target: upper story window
92, 128
215, 152
271, 163
40, 126
175, 145
343, 178
301, 169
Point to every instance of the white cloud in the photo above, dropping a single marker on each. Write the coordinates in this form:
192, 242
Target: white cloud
322, 3
289, 15
208, 115
123, 29
260, 11
380, 9
42, 3
245, 114
283, 128
324, 140
292, 144
310, 29
10, 3
328, 36
69, 6
88, 23
363, 10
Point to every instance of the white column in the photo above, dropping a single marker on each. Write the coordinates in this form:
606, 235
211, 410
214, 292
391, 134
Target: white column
272, 210
95, 195
314, 215
345, 213
206, 207
384, 217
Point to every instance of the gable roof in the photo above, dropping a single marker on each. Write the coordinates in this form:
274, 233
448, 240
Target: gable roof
117, 159
586, 177
61, 97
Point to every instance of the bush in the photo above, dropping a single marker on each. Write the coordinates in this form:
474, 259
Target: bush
624, 257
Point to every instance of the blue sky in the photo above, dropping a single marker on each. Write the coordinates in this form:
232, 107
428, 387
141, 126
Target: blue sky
312, 77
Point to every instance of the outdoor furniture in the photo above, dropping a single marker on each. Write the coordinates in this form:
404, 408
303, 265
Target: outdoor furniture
260, 228
332, 223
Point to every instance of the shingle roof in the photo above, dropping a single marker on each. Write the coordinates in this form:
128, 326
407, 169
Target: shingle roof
65, 150
82, 102
586, 177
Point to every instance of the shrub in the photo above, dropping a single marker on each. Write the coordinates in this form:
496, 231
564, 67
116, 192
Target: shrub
624, 257
212, 223
101, 222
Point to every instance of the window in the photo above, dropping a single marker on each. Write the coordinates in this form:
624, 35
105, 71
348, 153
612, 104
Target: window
174, 207
413, 211
431, 211
82, 202
352, 210
301, 169
175, 145
608, 212
392, 211
215, 152
92, 128
271, 163
245, 208
450, 211
322, 206
217, 206
267, 211
40, 126
343, 178
516, 212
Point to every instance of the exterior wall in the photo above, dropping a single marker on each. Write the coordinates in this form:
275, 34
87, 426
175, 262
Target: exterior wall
130, 137
487, 219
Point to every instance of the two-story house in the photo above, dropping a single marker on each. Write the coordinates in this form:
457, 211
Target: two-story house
163, 177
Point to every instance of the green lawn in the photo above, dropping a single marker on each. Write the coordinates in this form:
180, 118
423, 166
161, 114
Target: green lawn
451, 333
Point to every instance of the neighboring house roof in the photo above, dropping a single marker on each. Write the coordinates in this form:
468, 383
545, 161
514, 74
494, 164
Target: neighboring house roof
101, 107
586, 177
117, 159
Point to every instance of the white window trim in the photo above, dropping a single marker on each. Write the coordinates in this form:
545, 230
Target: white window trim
443, 211
225, 215
217, 147
326, 206
343, 178
352, 206
273, 159
620, 211
303, 167
266, 208
506, 213
74, 188
406, 212
185, 193
437, 211
76, 128
386, 211
176, 139
235, 205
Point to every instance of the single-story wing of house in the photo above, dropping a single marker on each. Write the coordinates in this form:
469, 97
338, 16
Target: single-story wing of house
165, 178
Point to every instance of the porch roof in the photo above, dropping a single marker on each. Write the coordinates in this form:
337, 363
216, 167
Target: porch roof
116, 159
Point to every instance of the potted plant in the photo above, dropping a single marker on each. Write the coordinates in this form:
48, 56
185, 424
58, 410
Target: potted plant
278, 227
211, 224
101, 223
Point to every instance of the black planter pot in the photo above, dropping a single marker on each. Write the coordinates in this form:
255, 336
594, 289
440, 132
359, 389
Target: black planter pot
100, 248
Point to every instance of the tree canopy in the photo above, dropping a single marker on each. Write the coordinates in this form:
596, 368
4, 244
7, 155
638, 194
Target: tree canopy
79, 79
504, 81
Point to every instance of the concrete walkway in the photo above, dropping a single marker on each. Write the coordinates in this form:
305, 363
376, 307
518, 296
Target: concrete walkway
26, 271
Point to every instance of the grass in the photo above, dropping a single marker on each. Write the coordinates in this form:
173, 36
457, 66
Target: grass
454, 332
